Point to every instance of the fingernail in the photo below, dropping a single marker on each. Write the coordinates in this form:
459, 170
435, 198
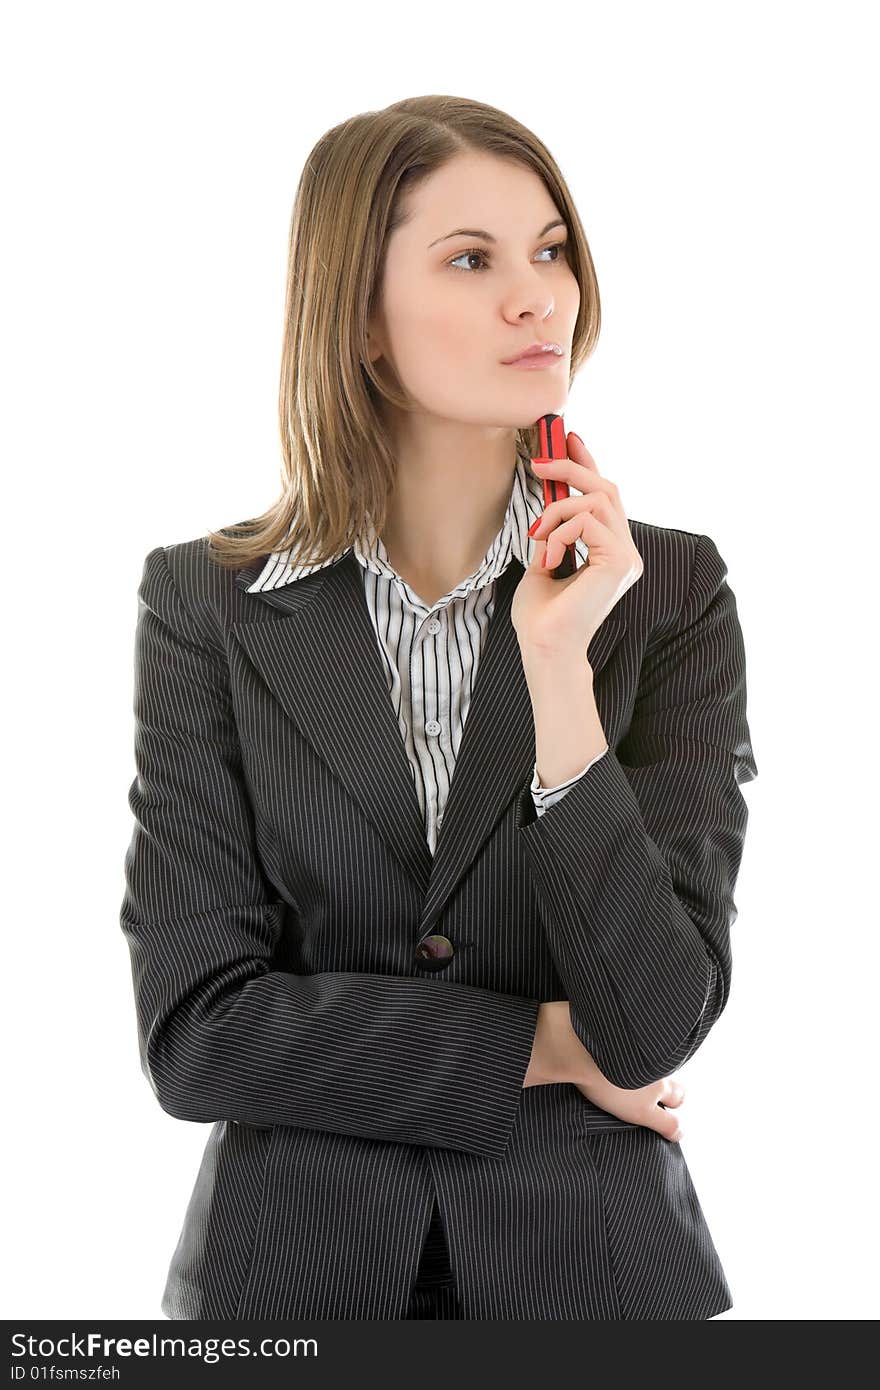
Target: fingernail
544, 560
534, 526
579, 440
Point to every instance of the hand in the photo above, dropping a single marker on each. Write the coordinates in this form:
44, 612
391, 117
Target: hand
559, 1055
640, 1107
562, 615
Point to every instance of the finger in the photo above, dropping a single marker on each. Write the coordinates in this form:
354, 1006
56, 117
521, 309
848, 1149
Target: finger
593, 522
590, 531
578, 450
579, 475
585, 526
668, 1125
572, 470
555, 513
672, 1091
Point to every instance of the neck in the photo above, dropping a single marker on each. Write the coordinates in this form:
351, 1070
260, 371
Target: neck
451, 492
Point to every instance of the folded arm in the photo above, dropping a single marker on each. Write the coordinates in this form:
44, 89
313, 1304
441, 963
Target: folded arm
222, 1032
635, 868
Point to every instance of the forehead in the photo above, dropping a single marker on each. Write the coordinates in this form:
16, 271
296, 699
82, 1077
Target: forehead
481, 190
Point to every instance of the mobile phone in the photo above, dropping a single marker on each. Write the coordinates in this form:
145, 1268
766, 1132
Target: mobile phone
552, 445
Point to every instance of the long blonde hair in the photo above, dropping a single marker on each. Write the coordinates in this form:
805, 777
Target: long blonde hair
338, 469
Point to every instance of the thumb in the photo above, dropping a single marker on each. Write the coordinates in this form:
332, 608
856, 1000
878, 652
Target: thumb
536, 563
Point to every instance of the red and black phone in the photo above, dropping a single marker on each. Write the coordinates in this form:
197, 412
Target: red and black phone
552, 445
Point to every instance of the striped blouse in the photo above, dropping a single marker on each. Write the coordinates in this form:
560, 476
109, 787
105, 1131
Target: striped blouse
430, 655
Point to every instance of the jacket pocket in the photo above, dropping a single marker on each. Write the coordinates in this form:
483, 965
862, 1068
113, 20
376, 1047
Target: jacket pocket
221, 1229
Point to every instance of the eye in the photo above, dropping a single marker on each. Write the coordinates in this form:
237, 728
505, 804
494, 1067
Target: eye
484, 255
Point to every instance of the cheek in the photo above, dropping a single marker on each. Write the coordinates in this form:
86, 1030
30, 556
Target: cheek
443, 370
438, 319
457, 328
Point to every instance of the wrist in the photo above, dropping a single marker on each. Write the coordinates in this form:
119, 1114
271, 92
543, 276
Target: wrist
544, 1063
557, 1052
568, 729
542, 664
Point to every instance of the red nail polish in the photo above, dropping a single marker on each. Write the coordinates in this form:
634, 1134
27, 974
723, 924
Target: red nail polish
534, 526
544, 560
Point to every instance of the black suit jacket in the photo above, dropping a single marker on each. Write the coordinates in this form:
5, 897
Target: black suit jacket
278, 884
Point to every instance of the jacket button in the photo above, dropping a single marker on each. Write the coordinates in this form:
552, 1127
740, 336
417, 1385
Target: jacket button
434, 952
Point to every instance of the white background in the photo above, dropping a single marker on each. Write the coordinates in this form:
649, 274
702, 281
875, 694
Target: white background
723, 163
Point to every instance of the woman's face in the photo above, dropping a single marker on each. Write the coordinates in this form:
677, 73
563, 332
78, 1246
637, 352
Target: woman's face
446, 319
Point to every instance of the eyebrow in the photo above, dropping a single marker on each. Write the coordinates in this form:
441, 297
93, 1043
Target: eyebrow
487, 236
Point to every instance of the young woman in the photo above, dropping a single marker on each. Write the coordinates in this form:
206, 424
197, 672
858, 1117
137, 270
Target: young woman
431, 881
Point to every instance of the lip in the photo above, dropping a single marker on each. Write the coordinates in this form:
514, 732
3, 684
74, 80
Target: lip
536, 354
536, 362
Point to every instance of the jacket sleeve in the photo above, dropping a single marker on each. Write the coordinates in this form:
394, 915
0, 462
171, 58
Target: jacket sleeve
635, 869
224, 1035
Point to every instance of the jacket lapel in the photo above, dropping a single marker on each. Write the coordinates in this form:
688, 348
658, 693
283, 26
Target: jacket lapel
322, 663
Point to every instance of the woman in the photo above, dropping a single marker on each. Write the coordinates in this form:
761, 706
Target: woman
431, 880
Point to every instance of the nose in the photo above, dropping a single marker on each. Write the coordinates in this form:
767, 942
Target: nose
535, 303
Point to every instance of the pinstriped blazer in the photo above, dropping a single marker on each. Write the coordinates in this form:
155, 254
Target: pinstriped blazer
278, 883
